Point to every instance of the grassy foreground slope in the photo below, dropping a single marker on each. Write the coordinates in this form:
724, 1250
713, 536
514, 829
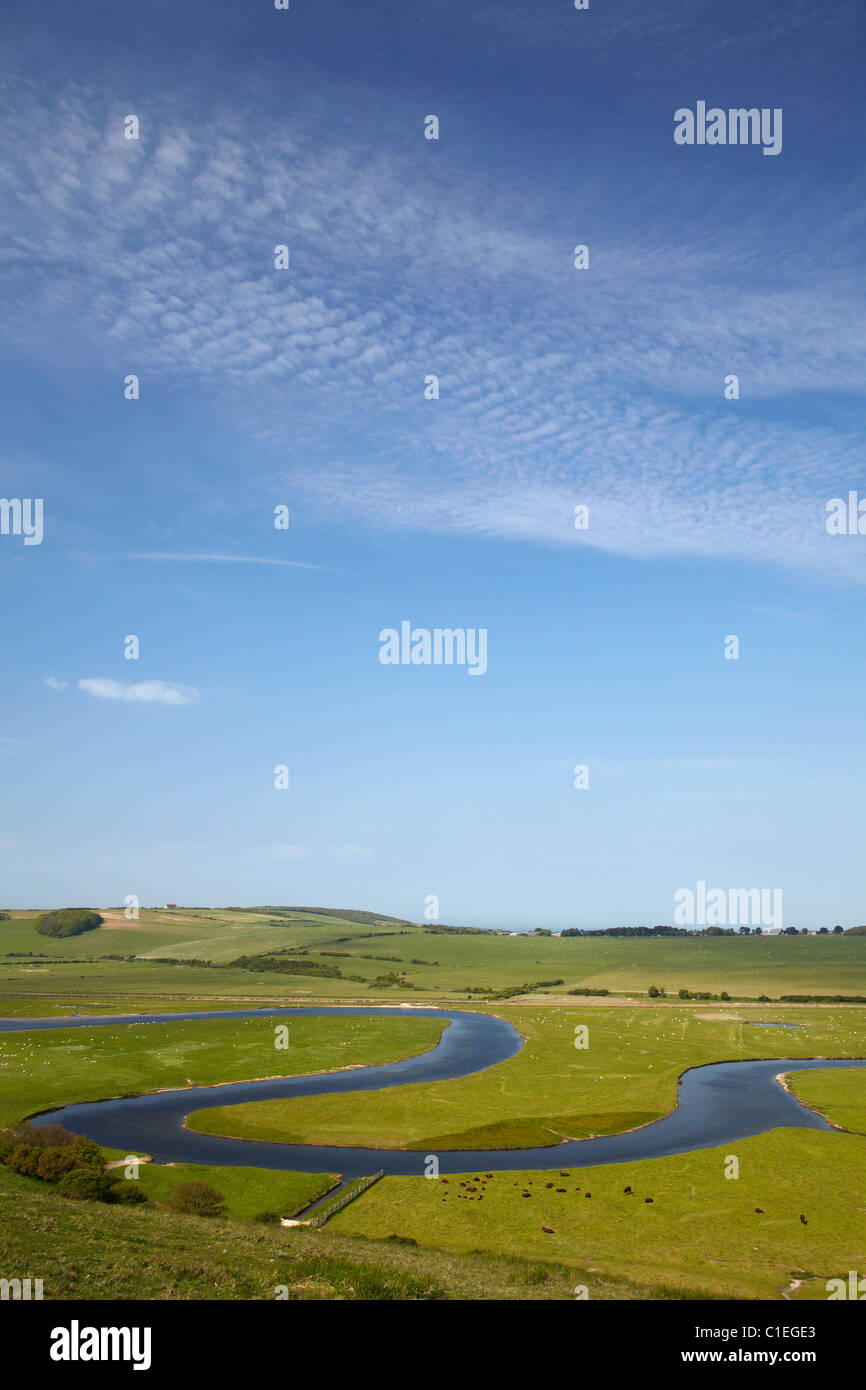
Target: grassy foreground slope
701, 1235
83, 1250
626, 1077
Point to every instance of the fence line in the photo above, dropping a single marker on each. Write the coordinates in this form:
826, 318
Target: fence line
363, 1186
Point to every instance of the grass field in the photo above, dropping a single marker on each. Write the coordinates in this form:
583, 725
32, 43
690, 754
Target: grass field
86, 1251
247, 1191
701, 1235
43, 1069
839, 1096
626, 1077
441, 966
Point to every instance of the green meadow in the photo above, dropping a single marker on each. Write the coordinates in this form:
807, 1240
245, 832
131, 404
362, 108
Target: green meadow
83, 1250
39, 1070
702, 1235
247, 1191
403, 960
838, 1095
625, 1077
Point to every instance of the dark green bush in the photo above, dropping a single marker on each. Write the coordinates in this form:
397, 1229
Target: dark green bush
87, 1185
23, 1159
129, 1193
197, 1198
68, 921
53, 1164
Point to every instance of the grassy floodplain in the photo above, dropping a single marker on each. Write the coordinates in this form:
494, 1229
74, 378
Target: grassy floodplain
411, 1238
626, 1077
39, 1070
701, 1235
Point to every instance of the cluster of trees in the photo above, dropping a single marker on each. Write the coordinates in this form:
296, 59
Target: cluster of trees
703, 931
632, 931
74, 1164
290, 965
68, 921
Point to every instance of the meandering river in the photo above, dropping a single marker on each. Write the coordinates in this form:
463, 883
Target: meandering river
716, 1104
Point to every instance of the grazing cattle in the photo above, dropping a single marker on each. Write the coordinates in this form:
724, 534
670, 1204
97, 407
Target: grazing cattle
803, 1219
626, 1189
587, 1194
547, 1231
759, 1210
648, 1199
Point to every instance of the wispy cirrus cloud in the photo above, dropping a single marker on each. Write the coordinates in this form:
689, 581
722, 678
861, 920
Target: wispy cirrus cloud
224, 560
139, 692
556, 387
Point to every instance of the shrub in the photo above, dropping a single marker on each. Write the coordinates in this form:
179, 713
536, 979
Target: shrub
49, 1135
23, 1159
653, 992
684, 994
267, 1218
197, 1198
54, 1163
86, 1185
86, 1154
129, 1193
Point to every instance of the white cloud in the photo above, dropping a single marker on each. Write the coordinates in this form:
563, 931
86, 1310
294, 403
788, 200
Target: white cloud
284, 853
224, 559
54, 684
139, 692
557, 386
351, 852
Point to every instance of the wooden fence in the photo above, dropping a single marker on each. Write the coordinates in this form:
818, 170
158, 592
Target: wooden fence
332, 1208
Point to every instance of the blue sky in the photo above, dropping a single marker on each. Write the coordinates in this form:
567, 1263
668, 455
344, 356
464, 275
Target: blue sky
558, 387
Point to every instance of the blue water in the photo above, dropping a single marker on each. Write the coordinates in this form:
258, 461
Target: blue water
716, 1104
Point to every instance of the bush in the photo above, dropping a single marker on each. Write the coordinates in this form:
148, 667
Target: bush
197, 1198
684, 994
68, 921
653, 992
267, 1218
23, 1159
86, 1154
53, 1136
53, 1164
86, 1185
129, 1193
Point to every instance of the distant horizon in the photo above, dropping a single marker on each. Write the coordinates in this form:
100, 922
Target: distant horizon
394, 917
